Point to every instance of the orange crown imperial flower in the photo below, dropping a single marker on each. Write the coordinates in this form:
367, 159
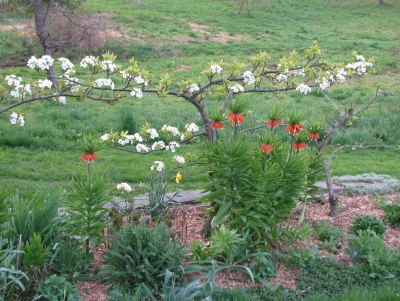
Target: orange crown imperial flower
299, 145
217, 125
274, 123
266, 148
89, 157
313, 136
235, 118
294, 128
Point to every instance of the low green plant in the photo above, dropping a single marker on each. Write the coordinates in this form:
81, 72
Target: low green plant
299, 257
10, 278
385, 264
371, 222
363, 244
35, 254
139, 255
85, 207
328, 232
159, 206
5, 204
392, 213
198, 251
123, 293
57, 288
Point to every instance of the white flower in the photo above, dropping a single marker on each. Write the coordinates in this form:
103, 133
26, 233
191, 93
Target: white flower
153, 133
105, 137
61, 99
192, 88
137, 92
237, 88
124, 187
45, 83
360, 67
216, 69
303, 89
172, 145
66, 64
15, 118
281, 78
324, 85
249, 77
91, 60
158, 145
139, 80
133, 138
179, 159
299, 72
125, 74
158, 165
108, 65
141, 148
13, 80
43, 63
170, 130
192, 127
104, 82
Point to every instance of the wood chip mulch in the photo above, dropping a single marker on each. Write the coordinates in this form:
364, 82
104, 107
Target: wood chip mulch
187, 221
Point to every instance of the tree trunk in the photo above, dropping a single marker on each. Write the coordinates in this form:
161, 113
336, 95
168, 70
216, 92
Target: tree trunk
42, 17
331, 195
380, 2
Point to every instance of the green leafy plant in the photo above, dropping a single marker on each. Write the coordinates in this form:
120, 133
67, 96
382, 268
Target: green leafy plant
5, 204
371, 222
363, 244
392, 212
139, 254
384, 265
198, 251
328, 232
57, 288
123, 293
159, 206
10, 278
36, 255
85, 207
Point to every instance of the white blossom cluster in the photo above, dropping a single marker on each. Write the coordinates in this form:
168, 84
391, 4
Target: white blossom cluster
302, 88
105, 137
61, 99
140, 80
19, 89
66, 64
141, 148
15, 118
153, 133
249, 77
170, 130
299, 72
192, 127
88, 60
361, 66
179, 159
237, 88
325, 84
158, 145
71, 82
104, 82
125, 74
216, 69
124, 187
172, 146
108, 65
43, 63
45, 83
137, 92
158, 165
281, 77
193, 87
341, 75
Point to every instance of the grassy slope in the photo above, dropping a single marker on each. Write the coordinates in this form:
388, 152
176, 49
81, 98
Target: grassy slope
161, 35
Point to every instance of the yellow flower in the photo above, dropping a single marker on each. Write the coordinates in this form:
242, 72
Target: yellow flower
178, 177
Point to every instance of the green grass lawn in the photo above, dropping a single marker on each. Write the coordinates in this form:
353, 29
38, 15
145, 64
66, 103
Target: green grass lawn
181, 37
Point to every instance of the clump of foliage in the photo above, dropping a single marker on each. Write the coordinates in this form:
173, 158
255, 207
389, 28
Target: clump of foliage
57, 288
139, 255
328, 232
371, 222
392, 212
364, 244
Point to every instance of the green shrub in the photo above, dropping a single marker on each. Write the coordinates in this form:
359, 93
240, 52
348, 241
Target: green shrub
371, 222
57, 288
392, 214
327, 232
364, 244
141, 255
384, 265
